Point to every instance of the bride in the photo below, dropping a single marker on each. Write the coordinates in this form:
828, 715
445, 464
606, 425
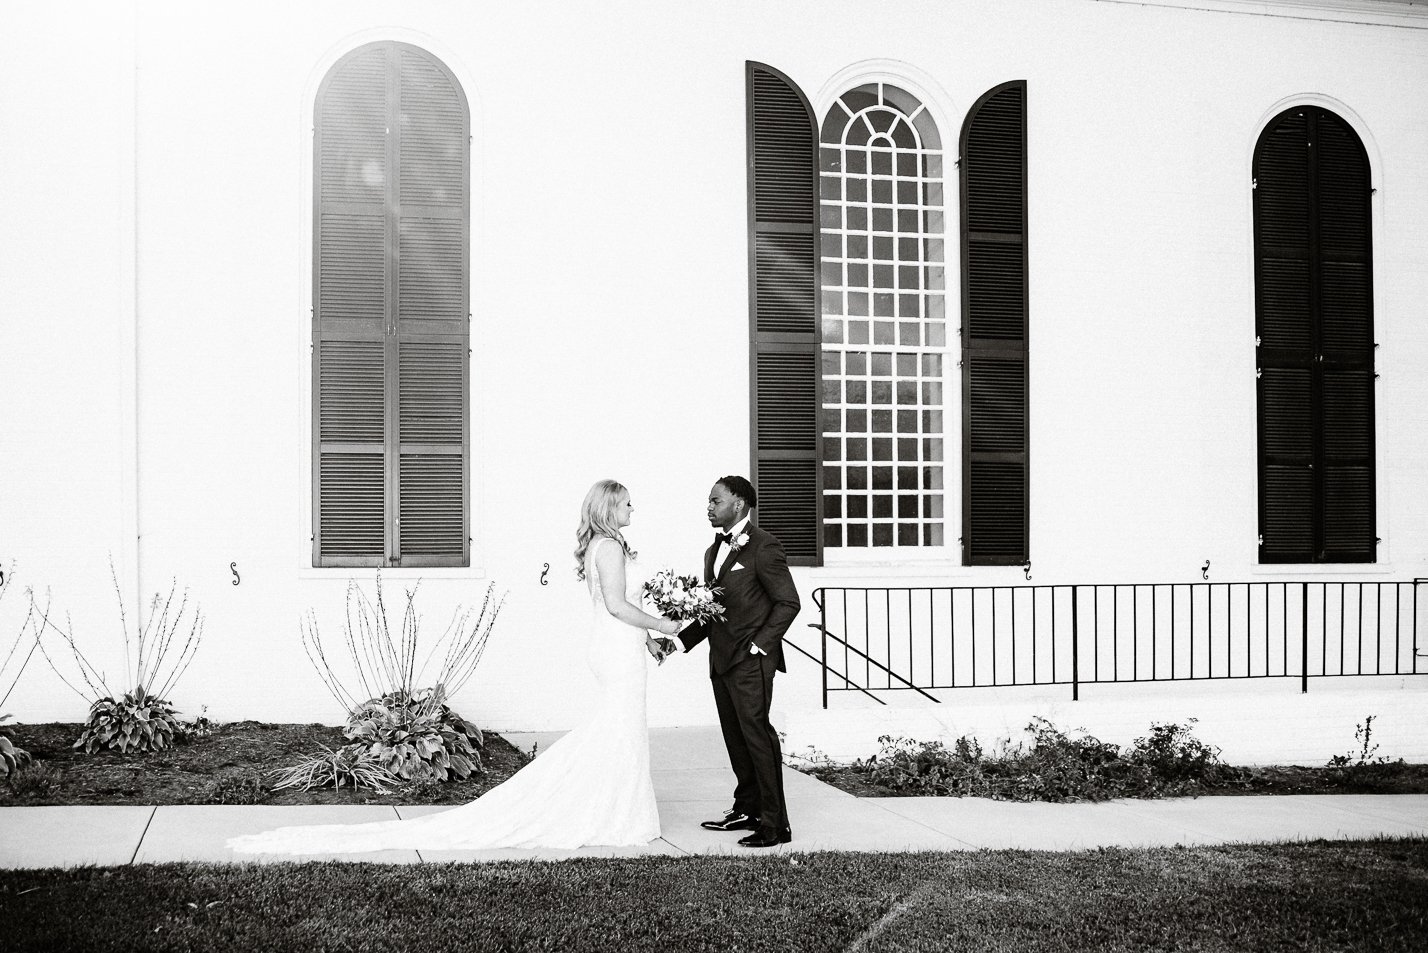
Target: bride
592, 786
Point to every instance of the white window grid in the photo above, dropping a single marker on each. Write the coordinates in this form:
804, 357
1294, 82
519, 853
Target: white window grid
884, 325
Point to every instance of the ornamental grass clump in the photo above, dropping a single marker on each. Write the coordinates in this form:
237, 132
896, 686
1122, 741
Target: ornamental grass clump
409, 732
143, 718
349, 766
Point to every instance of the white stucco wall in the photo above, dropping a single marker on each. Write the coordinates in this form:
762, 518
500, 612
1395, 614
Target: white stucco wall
155, 285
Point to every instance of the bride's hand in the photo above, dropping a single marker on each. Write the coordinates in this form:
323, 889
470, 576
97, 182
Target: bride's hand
674, 625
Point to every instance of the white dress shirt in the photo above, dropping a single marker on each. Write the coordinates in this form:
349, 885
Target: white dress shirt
724, 547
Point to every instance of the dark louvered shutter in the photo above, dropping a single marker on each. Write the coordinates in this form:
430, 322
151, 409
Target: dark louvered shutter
391, 312
1314, 326
431, 310
995, 455
783, 312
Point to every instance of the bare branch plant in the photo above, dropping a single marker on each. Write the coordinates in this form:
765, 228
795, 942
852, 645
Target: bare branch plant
6, 578
12, 756
142, 717
383, 657
397, 729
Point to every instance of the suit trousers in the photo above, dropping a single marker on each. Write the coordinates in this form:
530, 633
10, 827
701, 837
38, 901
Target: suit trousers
743, 696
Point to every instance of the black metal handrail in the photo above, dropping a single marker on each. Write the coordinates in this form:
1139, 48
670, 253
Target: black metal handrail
1003, 636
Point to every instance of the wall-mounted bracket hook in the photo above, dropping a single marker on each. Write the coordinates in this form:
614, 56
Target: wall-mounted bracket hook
545, 568
1205, 570
233, 568
1026, 568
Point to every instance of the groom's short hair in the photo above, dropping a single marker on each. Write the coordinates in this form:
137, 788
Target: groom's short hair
741, 488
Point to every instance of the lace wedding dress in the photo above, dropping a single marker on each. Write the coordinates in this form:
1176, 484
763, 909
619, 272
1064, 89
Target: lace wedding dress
592, 786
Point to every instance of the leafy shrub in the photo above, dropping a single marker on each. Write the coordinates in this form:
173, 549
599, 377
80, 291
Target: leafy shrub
1050, 766
930, 768
37, 779
1058, 767
417, 737
245, 788
349, 766
12, 756
137, 722
1177, 761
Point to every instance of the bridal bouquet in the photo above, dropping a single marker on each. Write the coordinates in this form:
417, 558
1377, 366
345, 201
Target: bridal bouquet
684, 598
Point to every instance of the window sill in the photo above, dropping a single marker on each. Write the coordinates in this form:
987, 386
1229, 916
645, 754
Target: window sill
392, 573
1297, 572
868, 568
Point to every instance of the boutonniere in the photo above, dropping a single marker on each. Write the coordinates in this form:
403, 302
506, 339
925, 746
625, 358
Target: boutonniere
740, 542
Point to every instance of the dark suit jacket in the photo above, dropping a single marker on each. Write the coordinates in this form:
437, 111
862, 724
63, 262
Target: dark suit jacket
759, 600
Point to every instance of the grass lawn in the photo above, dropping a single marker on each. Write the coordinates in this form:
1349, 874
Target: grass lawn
1366, 895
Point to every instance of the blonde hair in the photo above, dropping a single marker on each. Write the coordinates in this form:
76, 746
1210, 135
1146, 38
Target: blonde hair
597, 518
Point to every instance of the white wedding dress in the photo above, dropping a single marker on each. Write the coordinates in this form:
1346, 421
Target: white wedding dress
592, 786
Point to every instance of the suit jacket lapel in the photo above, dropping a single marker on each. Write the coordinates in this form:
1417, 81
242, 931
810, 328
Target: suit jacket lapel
710, 555
733, 557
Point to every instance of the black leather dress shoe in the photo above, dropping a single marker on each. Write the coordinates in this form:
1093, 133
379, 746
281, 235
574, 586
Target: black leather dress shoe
767, 838
732, 821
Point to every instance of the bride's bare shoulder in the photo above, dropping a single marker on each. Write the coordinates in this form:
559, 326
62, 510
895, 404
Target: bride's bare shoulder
606, 556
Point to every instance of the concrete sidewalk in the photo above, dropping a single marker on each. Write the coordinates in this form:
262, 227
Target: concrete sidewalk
693, 783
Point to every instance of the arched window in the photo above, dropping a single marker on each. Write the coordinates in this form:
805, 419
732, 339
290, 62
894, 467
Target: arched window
1314, 328
390, 312
884, 333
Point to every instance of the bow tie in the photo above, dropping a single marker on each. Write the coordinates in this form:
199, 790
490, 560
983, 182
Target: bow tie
723, 538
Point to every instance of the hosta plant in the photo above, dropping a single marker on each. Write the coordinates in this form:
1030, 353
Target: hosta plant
417, 737
12, 756
349, 766
136, 722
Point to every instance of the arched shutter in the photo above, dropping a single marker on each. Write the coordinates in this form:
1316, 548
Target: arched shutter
995, 432
1314, 327
391, 329
783, 312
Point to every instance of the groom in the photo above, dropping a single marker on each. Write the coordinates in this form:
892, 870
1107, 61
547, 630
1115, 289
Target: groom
745, 650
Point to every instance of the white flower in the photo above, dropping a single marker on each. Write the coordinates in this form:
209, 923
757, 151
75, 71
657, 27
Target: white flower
741, 540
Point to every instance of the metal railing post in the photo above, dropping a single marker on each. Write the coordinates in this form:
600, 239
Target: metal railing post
1075, 647
823, 638
1304, 649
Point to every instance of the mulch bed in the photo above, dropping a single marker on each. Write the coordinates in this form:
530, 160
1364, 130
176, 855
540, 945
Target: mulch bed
193, 772
1278, 779
196, 772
